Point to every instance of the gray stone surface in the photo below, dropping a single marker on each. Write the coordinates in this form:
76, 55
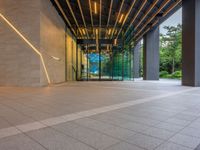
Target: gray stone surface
151, 55
136, 59
70, 121
19, 63
191, 44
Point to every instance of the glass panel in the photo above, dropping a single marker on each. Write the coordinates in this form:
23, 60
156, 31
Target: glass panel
106, 63
93, 60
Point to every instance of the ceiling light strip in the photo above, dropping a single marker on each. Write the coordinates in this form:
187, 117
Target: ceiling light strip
79, 5
63, 13
148, 11
135, 17
165, 13
150, 19
100, 18
129, 11
122, 3
90, 7
70, 8
108, 21
27, 42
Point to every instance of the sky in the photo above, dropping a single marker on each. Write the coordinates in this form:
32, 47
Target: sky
174, 20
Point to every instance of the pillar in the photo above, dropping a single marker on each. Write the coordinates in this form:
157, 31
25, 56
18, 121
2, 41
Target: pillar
136, 59
151, 55
191, 43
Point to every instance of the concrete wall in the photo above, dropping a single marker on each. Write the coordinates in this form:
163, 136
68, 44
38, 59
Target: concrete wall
39, 22
70, 56
52, 43
19, 64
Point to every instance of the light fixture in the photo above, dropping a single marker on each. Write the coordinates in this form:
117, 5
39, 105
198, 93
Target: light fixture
29, 43
121, 18
109, 31
56, 58
95, 7
83, 30
115, 41
96, 31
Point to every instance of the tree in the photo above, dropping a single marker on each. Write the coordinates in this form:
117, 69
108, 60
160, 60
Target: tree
170, 53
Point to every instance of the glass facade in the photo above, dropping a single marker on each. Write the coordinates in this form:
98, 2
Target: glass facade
109, 63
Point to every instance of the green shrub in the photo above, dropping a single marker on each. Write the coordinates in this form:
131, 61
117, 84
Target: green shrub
164, 74
176, 75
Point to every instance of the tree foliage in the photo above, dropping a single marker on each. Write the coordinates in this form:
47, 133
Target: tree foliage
170, 49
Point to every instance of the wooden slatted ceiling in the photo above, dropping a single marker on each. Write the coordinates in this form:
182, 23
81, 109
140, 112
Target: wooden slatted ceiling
144, 15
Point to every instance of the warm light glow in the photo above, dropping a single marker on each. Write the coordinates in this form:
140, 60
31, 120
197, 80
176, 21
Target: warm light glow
115, 42
83, 30
121, 18
55, 58
109, 31
95, 7
96, 31
25, 39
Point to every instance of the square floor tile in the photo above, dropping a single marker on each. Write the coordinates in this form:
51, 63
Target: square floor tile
184, 140
169, 127
89, 136
118, 132
191, 132
19, 142
53, 140
124, 146
172, 146
144, 141
158, 133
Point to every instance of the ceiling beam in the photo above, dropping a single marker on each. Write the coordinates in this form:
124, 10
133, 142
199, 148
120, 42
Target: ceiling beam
146, 13
129, 11
153, 17
122, 3
157, 21
83, 18
70, 8
65, 17
134, 18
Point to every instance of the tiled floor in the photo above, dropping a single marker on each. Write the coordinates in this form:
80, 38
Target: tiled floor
153, 115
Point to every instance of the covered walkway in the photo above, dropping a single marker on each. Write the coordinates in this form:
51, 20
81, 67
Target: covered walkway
103, 115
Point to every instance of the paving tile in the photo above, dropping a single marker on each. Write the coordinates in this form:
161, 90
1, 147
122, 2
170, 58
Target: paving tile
142, 120
158, 133
195, 125
124, 146
53, 140
191, 132
91, 137
184, 116
19, 142
134, 126
143, 141
172, 146
198, 147
93, 124
178, 122
184, 140
30, 126
169, 127
118, 132
5, 132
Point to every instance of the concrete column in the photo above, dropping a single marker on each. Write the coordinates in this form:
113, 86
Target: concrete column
136, 60
151, 55
191, 43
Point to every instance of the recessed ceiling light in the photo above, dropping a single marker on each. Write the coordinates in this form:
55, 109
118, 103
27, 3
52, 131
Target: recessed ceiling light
95, 7
121, 18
